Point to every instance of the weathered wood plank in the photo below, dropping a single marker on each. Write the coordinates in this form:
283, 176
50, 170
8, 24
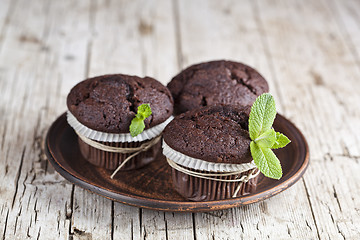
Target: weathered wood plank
92, 217
139, 41
308, 37
213, 30
348, 22
35, 199
258, 221
126, 222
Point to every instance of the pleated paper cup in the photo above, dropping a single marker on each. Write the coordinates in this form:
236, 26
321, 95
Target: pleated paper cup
111, 160
201, 189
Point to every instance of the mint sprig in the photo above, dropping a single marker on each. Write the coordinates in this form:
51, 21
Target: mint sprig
267, 139
137, 125
264, 138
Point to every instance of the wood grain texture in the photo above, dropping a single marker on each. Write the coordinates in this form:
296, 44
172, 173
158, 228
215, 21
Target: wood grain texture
328, 102
308, 50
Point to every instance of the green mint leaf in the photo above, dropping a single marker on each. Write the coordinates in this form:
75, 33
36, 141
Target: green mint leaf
136, 127
266, 161
137, 124
281, 141
144, 110
267, 139
262, 115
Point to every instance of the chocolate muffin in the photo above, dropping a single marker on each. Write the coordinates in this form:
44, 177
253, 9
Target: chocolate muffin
216, 82
101, 110
208, 150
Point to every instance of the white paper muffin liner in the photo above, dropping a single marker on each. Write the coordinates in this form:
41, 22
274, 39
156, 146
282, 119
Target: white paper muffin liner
115, 137
202, 165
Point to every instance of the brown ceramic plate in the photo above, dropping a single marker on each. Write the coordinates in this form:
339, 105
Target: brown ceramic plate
151, 186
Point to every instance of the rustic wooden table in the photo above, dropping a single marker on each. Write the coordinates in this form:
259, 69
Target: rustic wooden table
309, 51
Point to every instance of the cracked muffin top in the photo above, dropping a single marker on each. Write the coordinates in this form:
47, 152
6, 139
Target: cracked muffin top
216, 134
108, 103
216, 82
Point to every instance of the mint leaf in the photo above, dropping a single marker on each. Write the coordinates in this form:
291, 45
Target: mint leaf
136, 127
143, 111
267, 139
137, 124
262, 115
281, 141
266, 161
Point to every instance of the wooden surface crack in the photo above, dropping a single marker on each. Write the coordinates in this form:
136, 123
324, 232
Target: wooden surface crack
5, 225
340, 231
193, 225
24, 187
112, 220
18, 177
242, 227
132, 229
308, 225
288, 231
140, 222
6, 159
337, 199
69, 212
144, 233
3, 135
38, 235
166, 227
311, 207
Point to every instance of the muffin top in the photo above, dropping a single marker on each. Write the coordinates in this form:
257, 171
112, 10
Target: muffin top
216, 82
108, 103
216, 134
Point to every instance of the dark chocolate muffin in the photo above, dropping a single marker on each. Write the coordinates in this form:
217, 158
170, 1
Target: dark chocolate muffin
218, 134
101, 110
216, 82
209, 151
108, 103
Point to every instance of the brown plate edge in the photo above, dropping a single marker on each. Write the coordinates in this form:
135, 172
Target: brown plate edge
185, 206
